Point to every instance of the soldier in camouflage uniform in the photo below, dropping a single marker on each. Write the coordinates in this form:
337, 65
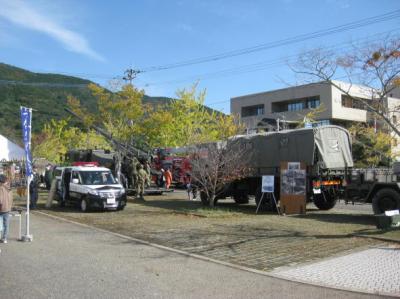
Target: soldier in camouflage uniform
141, 181
148, 171
133, 171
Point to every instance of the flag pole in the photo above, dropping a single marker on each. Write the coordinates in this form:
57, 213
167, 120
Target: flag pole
26, 119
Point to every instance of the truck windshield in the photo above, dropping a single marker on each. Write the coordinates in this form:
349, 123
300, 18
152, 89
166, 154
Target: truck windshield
97, 177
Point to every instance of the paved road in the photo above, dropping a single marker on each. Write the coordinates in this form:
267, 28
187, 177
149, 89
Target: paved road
375, 270
66, 260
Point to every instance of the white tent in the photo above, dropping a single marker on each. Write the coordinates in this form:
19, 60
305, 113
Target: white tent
10, 151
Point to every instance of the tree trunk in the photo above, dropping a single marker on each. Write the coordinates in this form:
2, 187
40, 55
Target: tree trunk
118, 166
212, 200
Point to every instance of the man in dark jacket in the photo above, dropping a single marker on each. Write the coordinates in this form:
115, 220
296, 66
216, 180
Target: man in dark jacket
33, 190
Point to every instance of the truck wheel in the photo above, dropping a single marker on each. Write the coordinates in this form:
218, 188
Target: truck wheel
241, 196
324, 201
84, 205
267, 204
385, 200
204, 198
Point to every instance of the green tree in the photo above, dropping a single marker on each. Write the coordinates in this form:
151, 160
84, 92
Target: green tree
187, 121
57, 137
120, 113
312, 115
371, 148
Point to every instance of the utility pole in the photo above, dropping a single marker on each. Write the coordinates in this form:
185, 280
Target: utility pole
130, 75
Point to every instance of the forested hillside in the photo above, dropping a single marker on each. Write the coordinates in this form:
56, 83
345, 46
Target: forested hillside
45, 93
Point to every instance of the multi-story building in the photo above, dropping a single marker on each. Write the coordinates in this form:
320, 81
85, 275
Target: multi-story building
286, 108
273, 110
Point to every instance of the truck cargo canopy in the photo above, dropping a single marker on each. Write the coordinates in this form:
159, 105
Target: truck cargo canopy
334, 147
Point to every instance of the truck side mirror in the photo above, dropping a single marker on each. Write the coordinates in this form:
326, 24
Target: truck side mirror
75, 181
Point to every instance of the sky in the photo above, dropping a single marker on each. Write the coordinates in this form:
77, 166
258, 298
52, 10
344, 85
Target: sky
240, 41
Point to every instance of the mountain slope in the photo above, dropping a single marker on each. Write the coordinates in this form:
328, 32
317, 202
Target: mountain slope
45, 93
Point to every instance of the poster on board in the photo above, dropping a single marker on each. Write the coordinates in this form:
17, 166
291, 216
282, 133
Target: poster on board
268, 183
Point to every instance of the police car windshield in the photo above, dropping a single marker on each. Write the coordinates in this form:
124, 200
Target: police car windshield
97, 177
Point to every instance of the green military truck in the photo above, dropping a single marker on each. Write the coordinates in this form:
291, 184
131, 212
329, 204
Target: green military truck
325, 150
378, 186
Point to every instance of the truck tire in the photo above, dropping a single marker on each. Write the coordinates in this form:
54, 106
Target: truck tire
267, 204
204, 198
385, 199
324, 201
241, 196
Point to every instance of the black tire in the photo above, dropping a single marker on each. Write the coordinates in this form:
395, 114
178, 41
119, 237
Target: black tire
385, 200
324, 201
267, 204
84, 205
61, 203
241, 196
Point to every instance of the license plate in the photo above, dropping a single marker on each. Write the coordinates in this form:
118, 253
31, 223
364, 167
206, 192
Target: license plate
111, 200
317, 191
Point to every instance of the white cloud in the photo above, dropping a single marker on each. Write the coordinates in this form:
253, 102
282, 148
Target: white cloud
21, 14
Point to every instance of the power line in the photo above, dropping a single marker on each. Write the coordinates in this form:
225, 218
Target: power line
279, 43
263, 65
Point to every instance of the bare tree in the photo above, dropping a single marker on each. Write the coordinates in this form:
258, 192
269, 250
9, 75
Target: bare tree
376, 67
215, 166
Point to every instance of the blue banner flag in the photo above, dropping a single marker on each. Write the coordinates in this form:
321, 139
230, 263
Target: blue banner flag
26, 120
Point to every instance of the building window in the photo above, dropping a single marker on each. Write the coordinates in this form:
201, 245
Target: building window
313, 103
394, 119
355, 103
296, 104
253, 110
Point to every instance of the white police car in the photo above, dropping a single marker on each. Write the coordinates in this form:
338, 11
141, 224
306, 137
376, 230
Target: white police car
90, 187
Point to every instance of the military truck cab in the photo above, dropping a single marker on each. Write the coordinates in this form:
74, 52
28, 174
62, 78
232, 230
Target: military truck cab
378, 186
90, 187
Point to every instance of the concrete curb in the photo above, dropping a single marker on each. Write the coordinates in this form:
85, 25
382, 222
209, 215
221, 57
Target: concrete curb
207, 259
376, 238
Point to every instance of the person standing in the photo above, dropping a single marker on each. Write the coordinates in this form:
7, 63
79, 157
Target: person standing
6, 201
168, 178
141, 181
48, 176
190, 187
33, 190
133, 171
148, 172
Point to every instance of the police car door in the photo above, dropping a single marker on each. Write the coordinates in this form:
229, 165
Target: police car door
75, 186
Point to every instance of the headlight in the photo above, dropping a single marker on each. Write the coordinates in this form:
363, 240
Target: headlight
122, 191
94, 192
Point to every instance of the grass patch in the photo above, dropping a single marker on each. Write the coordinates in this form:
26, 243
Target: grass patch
209, 212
